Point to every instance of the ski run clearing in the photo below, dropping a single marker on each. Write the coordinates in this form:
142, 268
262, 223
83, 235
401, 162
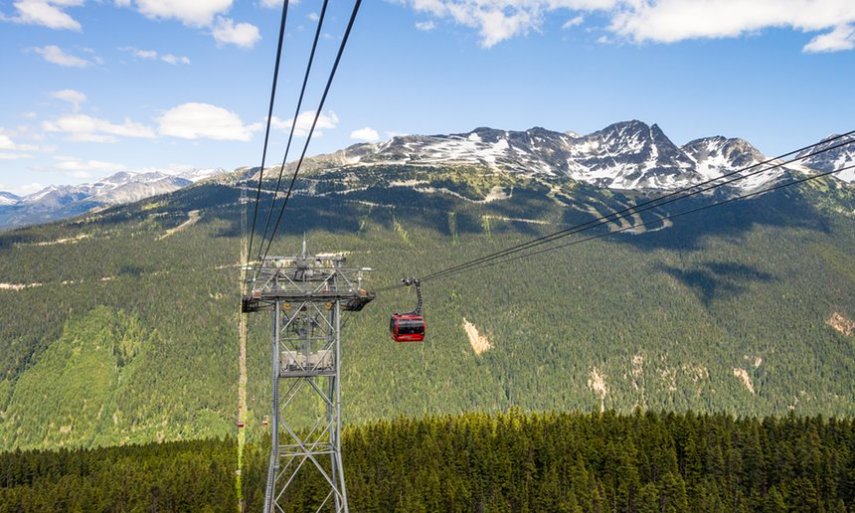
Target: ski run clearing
192, 218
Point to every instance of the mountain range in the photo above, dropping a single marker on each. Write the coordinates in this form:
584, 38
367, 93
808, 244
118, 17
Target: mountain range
629, 155
62, 201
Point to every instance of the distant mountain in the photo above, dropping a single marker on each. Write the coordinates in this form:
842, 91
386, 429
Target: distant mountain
7, 198
59, 202
625, 156
198, 175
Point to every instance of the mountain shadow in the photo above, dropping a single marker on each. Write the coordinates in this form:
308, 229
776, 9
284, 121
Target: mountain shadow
713, 281
776, 209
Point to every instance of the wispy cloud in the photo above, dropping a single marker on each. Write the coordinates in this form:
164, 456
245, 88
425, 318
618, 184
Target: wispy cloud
70, 96
82, 168
56, 55
326, 121
47, 13
426, 26
272, 4
573, 22
26, 189
152, 55
83, 128
174, 59
7, 144
839, 39
14, 156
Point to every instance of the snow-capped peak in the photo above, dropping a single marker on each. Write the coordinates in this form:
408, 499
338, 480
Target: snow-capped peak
7, 198
197, 175
840, 153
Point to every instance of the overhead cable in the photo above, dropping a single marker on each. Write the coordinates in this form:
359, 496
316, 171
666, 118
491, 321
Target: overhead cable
294, 122
269, 120
344, 40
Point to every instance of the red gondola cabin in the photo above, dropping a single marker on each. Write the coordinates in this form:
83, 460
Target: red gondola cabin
408, 327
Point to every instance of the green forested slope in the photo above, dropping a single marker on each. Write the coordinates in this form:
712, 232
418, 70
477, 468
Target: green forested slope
514, 462
115, 330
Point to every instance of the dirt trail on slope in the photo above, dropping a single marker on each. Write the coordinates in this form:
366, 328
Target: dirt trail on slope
192, 218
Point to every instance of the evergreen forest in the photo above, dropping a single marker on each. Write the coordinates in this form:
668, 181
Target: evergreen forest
476, 462
121, 327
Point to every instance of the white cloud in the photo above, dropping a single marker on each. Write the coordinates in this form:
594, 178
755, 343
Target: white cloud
79, 168
146, 54
47, 13
313, 16
56, 55
82, 128
7, 144
75, 98
326, 121
201, 14
197, 13
667, 21
151, 55
174, 59
205, 121
365, 134
275, 4
244, 35
659, 21
425, 26
14, 156
841, 38
26, 189
573, 22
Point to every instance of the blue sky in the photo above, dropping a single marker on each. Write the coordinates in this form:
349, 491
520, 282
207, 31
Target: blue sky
95, 86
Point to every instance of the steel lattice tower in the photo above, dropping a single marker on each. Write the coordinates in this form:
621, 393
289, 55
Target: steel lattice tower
307, 296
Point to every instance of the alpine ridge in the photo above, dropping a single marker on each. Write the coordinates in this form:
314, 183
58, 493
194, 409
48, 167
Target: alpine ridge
629, 155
